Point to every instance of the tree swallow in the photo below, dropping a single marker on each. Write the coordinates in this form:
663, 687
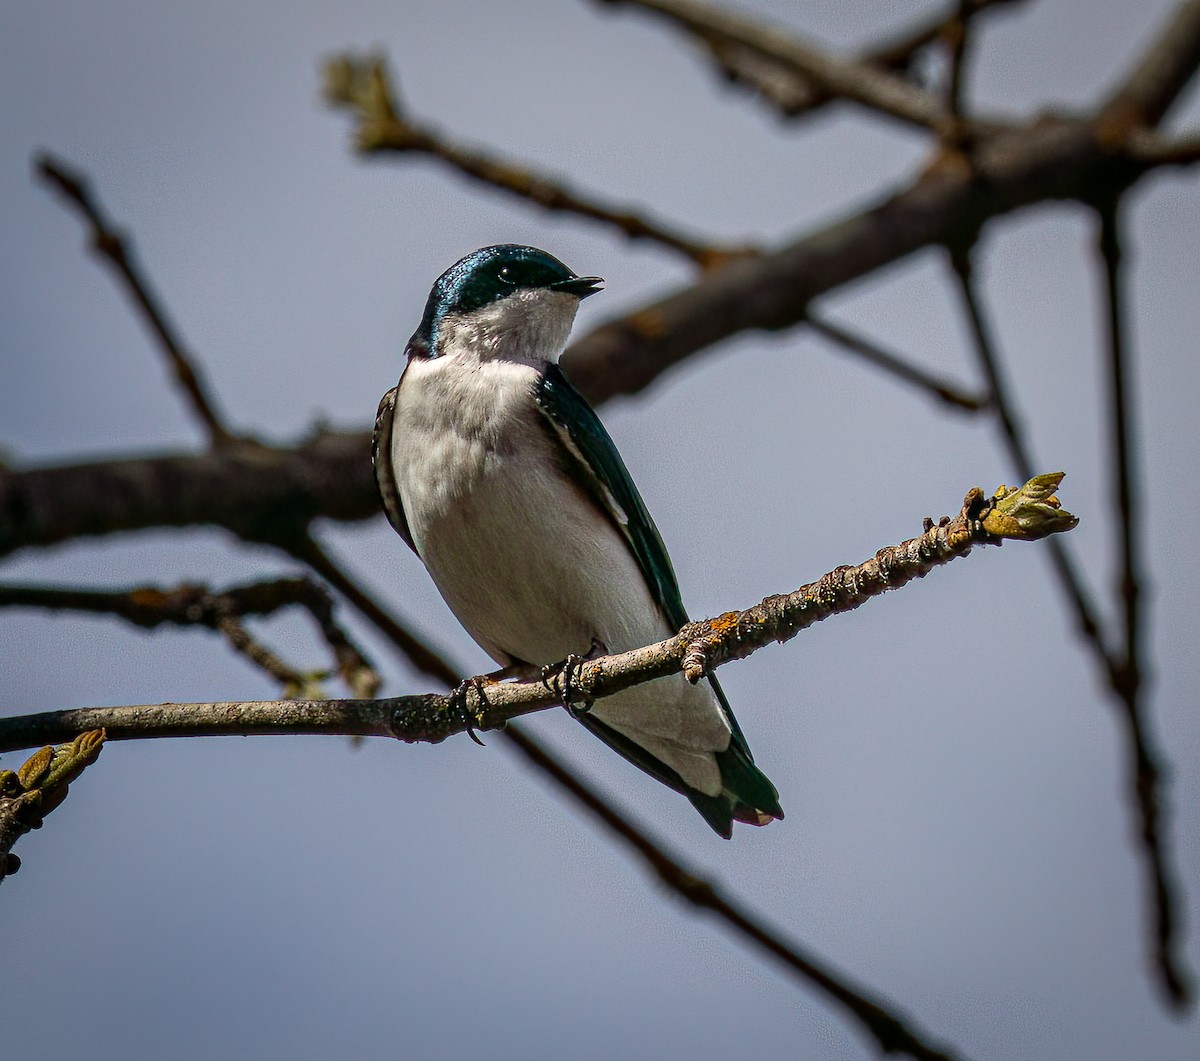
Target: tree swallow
502, 479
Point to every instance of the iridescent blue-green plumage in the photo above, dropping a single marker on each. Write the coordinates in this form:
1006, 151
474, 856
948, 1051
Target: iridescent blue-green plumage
488, 275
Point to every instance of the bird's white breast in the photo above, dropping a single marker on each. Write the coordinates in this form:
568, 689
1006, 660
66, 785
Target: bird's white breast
524, 558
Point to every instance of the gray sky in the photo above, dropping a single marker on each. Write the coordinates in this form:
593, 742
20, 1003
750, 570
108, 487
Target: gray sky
957, 837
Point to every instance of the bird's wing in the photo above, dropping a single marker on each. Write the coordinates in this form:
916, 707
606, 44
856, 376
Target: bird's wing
381, 457
592, 460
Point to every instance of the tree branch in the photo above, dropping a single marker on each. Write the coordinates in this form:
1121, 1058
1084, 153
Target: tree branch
196, 605
1127, 672
896, 365
251, 490
794, 95
364, 86
108, 242
1029, 513
890, 1032
864, 83
1154, 83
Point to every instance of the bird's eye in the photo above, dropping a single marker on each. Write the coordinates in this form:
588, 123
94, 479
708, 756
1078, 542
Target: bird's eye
506, 275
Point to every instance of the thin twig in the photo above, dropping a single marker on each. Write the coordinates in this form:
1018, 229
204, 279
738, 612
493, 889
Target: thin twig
957, 35
889, 1031
900, 367
1146, 788
419, 654
1146, 781
116, 249
247, 645
1012, 431
195, 605
365, 86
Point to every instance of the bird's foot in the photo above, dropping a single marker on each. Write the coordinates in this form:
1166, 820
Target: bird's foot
459, 703
559, 678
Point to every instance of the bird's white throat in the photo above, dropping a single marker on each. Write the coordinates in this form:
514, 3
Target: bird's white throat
529, 325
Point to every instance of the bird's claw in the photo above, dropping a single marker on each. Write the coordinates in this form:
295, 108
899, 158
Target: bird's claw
559, 678
458, 703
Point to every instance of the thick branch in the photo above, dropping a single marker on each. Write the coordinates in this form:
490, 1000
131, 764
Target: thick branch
251, 490
1057, 158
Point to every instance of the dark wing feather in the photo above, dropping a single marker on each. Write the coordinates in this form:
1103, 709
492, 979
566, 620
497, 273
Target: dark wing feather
592, 460
381, 457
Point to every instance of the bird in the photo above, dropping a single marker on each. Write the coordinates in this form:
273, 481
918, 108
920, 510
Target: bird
501, 478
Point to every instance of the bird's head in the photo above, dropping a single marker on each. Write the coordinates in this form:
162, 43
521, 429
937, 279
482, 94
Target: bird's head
507, 301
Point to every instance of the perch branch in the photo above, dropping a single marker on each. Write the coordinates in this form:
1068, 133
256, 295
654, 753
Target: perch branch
1028, 513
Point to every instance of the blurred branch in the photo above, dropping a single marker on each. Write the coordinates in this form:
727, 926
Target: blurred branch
417, 652
1026, 514
895, 365
1013, 433
1154, 83
956, 34
364, 86
793, 94
108, 242
1152, 149
1121, 670
196, 605
891, 1034
1127, 675
27, 795
249, 489
1055, 158
872, 86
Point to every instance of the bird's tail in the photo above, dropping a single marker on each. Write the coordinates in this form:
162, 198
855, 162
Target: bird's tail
746, 795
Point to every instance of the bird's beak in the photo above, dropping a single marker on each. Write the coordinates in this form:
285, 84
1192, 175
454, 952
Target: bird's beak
579, 286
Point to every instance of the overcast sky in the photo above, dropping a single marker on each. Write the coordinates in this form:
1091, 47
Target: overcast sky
957, 837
